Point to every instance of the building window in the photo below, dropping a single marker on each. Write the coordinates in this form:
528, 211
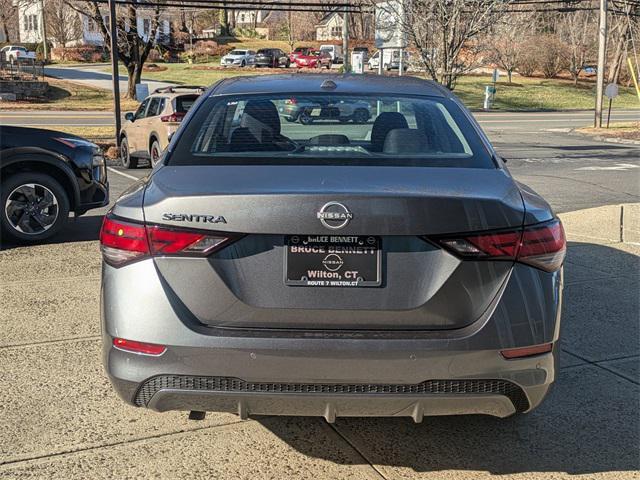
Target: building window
146, 26
336, 31
30, 23
92, 26
242, 18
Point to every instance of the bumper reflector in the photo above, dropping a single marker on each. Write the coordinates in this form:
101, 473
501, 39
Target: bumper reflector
139, 347
527, 351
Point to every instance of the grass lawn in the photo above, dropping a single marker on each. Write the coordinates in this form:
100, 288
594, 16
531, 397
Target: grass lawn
523, 94
64, 95
538, 94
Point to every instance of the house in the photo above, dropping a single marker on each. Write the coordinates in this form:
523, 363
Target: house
329, 27
88, 33
262, 21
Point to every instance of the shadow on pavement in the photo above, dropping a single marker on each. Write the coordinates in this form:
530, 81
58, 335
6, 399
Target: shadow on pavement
588, 424
82, 229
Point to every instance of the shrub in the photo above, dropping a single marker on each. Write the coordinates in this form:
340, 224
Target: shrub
527, 62
78, 54
553, 55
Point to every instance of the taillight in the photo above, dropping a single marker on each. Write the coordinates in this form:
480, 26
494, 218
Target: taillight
541, 246
164, 241
173, 118
139, 347
122, 242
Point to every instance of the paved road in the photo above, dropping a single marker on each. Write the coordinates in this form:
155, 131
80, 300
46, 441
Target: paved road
571, 172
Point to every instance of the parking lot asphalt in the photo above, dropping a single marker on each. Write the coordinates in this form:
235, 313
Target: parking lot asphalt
60, 418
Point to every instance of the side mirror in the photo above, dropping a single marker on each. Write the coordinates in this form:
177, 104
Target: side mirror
129, 116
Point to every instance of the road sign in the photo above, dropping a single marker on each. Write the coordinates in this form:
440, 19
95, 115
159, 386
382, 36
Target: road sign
495, 76
611, 91
390, 24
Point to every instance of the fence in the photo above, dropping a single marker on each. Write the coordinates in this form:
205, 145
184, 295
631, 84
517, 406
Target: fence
26, 70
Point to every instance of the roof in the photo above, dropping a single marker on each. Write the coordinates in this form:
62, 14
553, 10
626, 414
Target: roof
325, 19
345, 83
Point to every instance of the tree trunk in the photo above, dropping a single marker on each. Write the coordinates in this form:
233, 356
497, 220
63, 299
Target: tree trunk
510, 75
6, 30
618, 56
131, 81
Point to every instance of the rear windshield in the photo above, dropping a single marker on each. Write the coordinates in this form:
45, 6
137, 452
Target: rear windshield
185, 102
330, 128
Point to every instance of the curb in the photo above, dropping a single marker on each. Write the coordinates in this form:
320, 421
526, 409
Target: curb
600, 138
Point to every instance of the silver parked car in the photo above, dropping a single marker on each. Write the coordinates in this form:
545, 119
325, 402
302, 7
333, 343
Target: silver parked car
391, 268
238, 58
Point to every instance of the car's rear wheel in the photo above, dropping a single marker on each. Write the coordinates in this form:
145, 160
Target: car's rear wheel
360, 116
34, 207
127, 160
305, 117
155, 152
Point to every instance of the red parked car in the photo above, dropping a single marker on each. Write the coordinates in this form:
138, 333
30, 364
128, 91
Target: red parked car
313, 59
299, 51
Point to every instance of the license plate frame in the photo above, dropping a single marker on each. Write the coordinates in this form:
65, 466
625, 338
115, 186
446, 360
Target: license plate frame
331, 260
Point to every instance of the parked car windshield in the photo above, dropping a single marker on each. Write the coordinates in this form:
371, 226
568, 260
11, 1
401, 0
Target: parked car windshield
334, 128
238, 52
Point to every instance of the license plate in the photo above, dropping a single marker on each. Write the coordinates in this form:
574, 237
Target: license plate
332, 261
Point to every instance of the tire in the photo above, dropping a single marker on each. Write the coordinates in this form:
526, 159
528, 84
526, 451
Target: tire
243, 64
305, 118
360, 116
155, 153
46, 199
126, 159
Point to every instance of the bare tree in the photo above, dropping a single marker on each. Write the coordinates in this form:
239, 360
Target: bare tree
9, 19
445, 32
505, 44
620, 39
64, 24
133, 46
576, 30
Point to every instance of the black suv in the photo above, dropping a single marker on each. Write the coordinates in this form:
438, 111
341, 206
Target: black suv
45, 175
272, 57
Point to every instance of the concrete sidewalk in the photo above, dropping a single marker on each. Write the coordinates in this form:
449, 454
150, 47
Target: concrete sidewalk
60, 418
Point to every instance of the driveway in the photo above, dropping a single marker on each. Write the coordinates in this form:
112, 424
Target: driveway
95, 76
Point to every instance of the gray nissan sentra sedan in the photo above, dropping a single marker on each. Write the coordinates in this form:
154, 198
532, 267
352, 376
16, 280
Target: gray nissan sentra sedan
387, 267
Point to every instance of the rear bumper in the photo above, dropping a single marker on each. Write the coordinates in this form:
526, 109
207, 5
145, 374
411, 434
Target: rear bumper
521, 386
329, 374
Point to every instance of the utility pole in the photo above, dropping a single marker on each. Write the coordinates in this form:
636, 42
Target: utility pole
602, 52
43, 31
115, 73
345, 41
